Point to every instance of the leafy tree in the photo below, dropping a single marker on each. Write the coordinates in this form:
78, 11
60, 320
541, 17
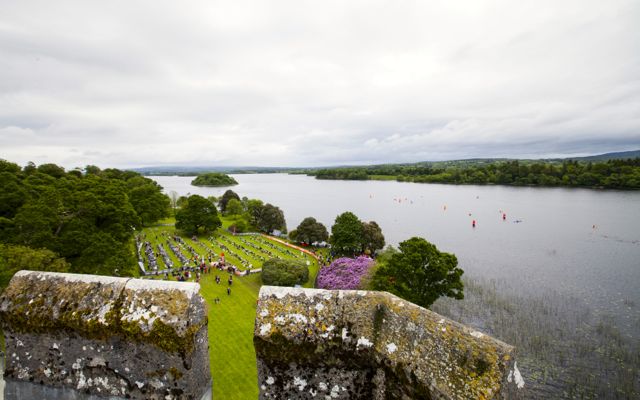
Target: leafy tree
12, 194
228, 195
310, 231
86, 219
346, 234
269, 218
52, 170
234, 207
420, 273
197, 213
91, 170
278, 272
372, 237
238, 226
7, 166
147, 199
14, 258
182, 200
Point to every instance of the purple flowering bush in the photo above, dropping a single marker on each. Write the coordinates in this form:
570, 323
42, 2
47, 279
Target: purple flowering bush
344, 273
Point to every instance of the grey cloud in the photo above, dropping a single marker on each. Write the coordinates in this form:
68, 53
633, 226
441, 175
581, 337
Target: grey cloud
131, 83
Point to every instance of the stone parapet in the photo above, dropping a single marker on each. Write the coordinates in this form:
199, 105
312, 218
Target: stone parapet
323, 344
106, 336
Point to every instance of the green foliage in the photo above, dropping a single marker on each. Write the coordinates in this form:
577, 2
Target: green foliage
197, 213
278, 272
234, 207
239, 226
419, 273
351, 174
86, 219
147, 199
372, 237
213, 179
346, 234
309, 231
614, 174
265, 217
14, 258
228, 195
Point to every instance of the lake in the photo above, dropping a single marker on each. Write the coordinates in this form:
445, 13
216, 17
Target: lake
575, 251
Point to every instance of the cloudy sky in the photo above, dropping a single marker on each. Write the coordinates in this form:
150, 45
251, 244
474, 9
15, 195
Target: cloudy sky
308, 83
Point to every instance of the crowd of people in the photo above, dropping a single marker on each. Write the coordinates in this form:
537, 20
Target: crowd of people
200, 258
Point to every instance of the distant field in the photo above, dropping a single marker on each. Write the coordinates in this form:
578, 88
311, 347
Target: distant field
233, 361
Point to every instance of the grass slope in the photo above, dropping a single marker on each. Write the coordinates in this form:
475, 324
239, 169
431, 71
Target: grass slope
231, 322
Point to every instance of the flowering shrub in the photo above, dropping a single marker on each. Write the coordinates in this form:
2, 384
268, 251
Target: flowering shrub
344, 273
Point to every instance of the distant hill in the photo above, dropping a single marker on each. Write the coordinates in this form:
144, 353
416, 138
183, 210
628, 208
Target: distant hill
621, 155
197, 170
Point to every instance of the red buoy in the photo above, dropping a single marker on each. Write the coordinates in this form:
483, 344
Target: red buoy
504, 217
473, 223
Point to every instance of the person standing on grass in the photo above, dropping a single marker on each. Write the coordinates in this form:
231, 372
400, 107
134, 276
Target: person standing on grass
228, 291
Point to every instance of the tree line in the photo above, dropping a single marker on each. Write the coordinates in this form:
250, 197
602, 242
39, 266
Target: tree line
612, 174
80, 220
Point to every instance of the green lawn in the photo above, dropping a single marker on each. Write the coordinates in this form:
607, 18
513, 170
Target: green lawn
233, 361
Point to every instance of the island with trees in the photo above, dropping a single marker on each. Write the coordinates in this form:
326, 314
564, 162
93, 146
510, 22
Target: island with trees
214, 179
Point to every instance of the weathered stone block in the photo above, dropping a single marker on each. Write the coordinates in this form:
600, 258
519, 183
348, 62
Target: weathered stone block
322, 344
131, 338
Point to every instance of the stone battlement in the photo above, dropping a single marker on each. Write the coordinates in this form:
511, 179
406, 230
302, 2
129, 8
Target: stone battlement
139, 339
372, 345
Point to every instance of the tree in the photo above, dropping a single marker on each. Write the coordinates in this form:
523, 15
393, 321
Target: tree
270, 218
15, 258
148, 201
278, 272
372, 237
197, 213
346, 234
420, 273
310, 231
228, 195
234, 207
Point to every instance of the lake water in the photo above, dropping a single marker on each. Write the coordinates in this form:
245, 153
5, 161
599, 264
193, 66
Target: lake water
576, 244
555, 245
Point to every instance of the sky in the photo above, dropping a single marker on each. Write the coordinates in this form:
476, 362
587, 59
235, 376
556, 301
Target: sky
315, 83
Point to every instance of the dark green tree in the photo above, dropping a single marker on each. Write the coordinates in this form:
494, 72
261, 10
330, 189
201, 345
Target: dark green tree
372, 237
280, 272
420, 273
310, 231
228, 195
234, 207
148, 200
197, 213
346, 234
14, 258
270, 218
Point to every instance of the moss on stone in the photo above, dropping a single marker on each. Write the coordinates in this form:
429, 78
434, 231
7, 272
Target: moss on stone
97, 311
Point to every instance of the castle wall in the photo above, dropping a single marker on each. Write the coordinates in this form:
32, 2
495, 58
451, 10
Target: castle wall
139, 339
322, 344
